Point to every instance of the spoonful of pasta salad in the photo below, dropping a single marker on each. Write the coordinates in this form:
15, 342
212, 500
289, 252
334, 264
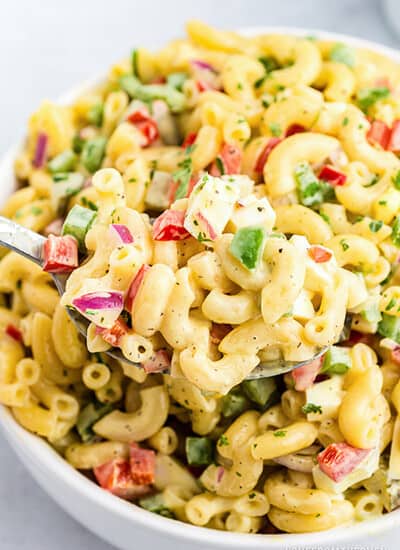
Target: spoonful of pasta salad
208, 289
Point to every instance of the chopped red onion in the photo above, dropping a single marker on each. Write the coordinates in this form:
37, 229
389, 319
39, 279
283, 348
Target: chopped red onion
159, 362
40, 150
121, 233
54, 228
199, 64
220, 474
102, 308
87, 183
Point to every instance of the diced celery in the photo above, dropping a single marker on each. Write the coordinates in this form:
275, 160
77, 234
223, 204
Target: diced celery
65, 186
311, 190
78, 222
234, 403
371, 313
148, 92
93, 153
366, 97
64, 162
88, 417
262, 391
95, 115
395, 236
156, 504
247, 245
342, 53
199, 450
389, 327
130, 84
336, 361
176, 80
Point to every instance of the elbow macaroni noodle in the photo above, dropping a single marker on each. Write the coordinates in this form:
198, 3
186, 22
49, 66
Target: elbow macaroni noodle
225, 134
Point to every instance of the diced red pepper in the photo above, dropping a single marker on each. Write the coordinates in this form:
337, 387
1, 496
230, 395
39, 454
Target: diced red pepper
160, 361
203, 86
294, 129
115, 476
394, 140
304, 376
383, 82
319, 254
145, 124
332, 176
218, 332
174, 187
135, 285
159, 80
60, 254
340, 459
263, 156
189, 140
113, 335
14, 332
395, 355
379, 133
169, 226
230, 157
143, 465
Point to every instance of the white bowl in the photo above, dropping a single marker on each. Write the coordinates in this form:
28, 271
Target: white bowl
120, 522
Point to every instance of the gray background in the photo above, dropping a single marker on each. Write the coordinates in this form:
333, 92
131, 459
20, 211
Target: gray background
48, 46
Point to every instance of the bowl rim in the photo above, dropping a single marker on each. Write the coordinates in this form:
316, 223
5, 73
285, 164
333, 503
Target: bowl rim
42, 453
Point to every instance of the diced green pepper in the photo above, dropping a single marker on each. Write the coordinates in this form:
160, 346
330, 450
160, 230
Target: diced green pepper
247, 245
148, 92
342, 53
371, 313
366, 97
77, 144
389, 327
156, 504
395, 236
336, 361
77, 223
262, 391
233, 404
65, 186
93, 153
176, 80
64, 162
95, 115
88, 417
311, 190
199, 450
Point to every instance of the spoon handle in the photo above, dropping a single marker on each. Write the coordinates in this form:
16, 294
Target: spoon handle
21, 240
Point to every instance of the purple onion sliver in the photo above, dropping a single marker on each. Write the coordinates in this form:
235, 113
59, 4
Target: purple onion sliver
199, 64
99, 300
220, 474
122, 233
40, 150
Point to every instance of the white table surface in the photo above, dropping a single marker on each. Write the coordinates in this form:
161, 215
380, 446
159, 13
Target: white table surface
47, 46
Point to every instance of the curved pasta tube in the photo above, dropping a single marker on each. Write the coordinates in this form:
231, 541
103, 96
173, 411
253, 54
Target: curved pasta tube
178, 327
44, 352
190, 396
207, 146
280, 166
213, 39
64, 405
285, 280
18, 199
138, 228
301, 107
11, 352
87, 457
218, 376
353, 250
354, 142
286, 496
294, 437
207, 272
15, 268
111, 192
338, 81
113, 109
342, 512
40, 296
171, 473
232, 309
139, 425
299, 220
67, 342
305, 55
135, 174
358, 418
152, 299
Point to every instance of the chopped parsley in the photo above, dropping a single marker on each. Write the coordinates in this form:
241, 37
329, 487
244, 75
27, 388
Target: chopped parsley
88, 203
220, 165
280, 433
269, 63
182, 177
202, 238
345, 121
344, 245
223, 441
391, 304
275, 129
367, 97
396, 180
325, 217
374, 181
311, 408
36, 210
239, 86
395, 236
375, 225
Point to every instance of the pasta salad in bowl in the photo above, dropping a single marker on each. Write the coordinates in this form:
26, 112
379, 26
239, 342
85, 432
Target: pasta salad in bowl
228, 201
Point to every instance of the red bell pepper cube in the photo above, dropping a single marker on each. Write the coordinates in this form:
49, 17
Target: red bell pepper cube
135, 285
304, 376
379, 134
169, 226
189, 140
319, 254
113, 335
60, 254
143, 465
340, 459
14, 332
332, 176
394, 140
145, 124
160, 361
115, 477
229, 159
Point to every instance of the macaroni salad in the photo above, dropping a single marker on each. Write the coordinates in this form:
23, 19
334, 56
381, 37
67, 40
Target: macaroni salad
224, 202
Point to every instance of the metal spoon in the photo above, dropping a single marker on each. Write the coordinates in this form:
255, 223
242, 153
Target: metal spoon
30, 244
